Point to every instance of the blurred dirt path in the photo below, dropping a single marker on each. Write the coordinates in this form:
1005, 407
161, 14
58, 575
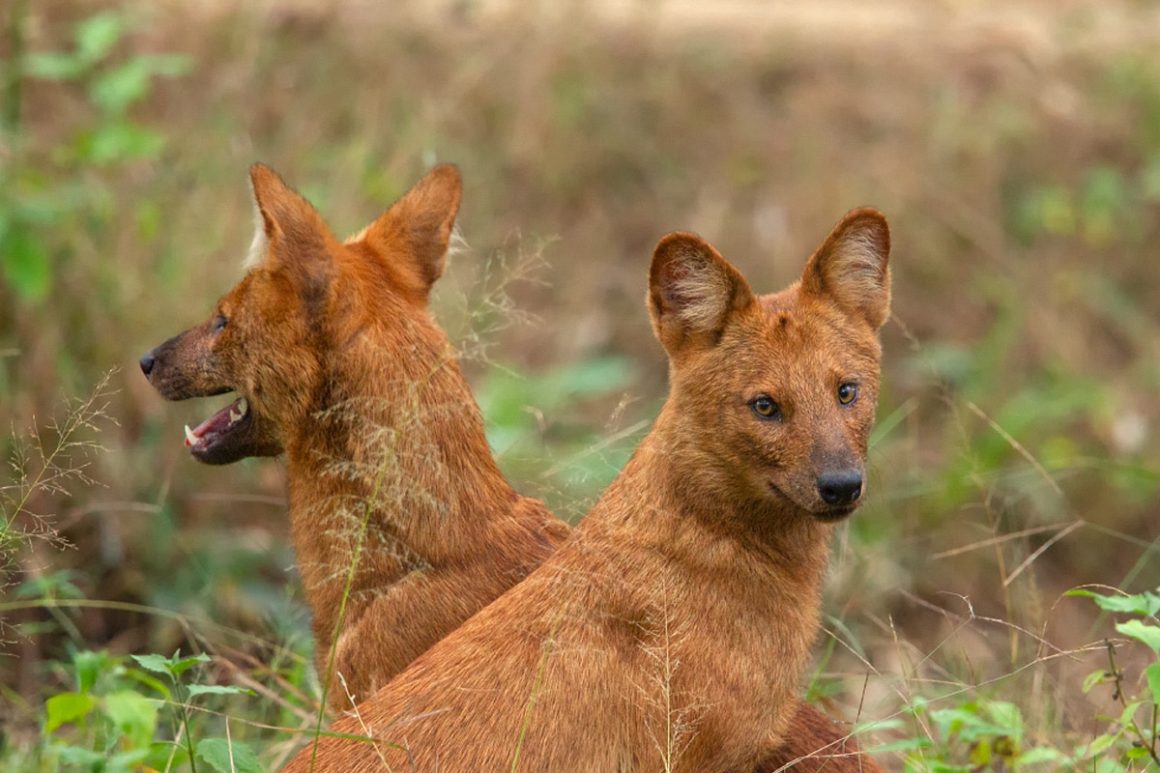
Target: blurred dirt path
1038, 27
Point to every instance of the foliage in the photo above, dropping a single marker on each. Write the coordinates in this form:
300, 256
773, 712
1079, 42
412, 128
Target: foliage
33, 200
1016, 447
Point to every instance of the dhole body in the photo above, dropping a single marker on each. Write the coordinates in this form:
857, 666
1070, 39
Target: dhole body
672, 629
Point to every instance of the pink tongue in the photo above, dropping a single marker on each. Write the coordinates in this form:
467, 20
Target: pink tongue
216, 423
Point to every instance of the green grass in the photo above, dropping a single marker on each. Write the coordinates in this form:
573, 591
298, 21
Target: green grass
1015, 455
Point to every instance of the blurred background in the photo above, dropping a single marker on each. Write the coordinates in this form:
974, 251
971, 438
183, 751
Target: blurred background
1014, 147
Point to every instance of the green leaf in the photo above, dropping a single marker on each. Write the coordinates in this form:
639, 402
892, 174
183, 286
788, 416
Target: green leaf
133, 714
1039, 755
1098, 745
228, 757
82, 759
66, 707
174, 666
217, 689
1146, 603
88, 667
1152, 674
116, 141
179, 667
1129, 712
121, 86
96, 35
1092, 679
54, 66
158, 664
25, 264
1007, 716
1149, 634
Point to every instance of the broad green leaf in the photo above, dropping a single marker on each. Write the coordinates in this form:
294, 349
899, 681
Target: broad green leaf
82, 759
89, 666
1007, 716
217, 689
1149, 634
133, 714
228, 757
158, 664
1152, 674
179, 666
1146, 603
1098, 745
1039, 755
1129, 712
66, 707
54, 66
25, 264
96, 35
116, 141
118, 88
174, 666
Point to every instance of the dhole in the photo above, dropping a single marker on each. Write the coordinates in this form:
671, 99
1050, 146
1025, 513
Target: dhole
336, 360
671, 630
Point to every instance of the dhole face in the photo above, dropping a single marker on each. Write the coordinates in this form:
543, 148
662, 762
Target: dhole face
299, 299
793, 390
790, 382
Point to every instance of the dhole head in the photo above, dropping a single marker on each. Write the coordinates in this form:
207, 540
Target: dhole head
776, 392
304, 297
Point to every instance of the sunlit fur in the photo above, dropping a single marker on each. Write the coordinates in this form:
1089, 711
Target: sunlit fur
672, 629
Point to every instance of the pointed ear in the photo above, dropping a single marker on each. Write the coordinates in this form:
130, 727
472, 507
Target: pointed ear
851, 267
693, 292
286, 219
413, 234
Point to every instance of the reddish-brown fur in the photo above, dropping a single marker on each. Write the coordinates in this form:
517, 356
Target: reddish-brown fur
671, 630
389, 470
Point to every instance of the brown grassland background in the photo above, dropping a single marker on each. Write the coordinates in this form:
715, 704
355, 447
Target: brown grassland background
1014, 147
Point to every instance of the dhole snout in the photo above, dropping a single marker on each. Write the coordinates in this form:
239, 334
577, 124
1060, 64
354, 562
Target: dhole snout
187, 366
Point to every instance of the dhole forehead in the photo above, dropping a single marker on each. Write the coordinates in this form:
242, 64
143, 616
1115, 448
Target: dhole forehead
811, 332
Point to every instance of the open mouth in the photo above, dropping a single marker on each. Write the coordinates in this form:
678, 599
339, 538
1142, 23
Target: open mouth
216, 431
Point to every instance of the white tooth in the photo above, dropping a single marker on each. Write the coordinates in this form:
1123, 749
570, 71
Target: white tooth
234, 417
243, 406
190, 438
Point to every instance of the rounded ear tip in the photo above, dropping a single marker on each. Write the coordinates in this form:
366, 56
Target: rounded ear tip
446, 173
870, 221
670, 243
866, 216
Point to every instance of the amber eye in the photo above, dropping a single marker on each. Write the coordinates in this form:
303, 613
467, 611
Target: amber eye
219, 322
765, 407
847, 393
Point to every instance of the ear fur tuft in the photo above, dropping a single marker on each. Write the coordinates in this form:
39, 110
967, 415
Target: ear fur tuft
693, 291
851, 267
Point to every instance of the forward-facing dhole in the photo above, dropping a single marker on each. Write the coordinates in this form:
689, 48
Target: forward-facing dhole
672, 629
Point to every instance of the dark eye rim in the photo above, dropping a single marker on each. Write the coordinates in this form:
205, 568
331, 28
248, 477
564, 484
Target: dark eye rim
219, 322
853, 385
773, 415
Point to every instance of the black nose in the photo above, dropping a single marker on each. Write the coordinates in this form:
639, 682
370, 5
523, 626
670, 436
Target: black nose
147, 361
840, 488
